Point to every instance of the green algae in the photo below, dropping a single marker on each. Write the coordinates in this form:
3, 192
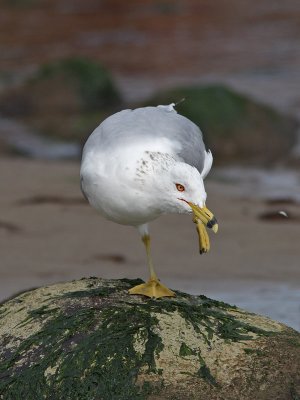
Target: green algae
207, 319
185, 350
256, 352
86, 349
204, 372
293, 341
295, 395
102, 291
95, 343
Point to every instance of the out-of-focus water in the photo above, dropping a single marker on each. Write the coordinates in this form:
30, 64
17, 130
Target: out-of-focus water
26, 142
279, 301
259, 183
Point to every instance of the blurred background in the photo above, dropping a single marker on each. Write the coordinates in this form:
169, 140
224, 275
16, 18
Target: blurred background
65, 65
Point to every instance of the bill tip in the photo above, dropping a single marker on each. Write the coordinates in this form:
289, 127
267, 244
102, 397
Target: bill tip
215, 228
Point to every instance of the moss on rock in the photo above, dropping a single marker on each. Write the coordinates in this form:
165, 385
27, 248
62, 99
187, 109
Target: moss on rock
89, 339
92, 81
66, 99
235, 127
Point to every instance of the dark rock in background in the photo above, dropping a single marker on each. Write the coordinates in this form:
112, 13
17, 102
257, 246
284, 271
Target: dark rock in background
64, 100
236, 128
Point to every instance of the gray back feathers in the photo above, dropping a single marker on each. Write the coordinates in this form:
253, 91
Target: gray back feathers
149, 123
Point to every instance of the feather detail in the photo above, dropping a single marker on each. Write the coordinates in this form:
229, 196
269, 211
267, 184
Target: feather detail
208, 160
168, 108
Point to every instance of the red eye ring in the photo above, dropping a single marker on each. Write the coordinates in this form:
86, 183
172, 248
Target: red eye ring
180, 187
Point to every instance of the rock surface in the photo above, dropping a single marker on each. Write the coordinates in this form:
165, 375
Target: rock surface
89, 339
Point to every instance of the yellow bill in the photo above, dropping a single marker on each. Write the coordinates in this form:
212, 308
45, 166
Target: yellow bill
204, 215
204, 218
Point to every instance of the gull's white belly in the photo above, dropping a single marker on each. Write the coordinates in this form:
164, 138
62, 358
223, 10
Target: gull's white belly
117, 199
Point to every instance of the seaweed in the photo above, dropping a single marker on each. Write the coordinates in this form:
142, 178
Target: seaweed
93, 343
256, 352
87, 349
204, 372
101, 291
185, 350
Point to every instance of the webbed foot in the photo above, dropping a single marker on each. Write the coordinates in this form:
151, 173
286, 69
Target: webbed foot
152, 288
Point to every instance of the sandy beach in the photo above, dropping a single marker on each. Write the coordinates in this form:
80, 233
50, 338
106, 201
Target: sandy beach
48, 233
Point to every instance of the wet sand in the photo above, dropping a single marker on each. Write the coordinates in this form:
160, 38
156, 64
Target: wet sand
49, 234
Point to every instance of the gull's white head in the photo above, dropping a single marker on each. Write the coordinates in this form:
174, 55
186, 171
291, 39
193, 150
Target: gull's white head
178, 186
172, 186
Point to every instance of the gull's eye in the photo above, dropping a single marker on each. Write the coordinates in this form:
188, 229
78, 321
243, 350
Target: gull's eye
180, 187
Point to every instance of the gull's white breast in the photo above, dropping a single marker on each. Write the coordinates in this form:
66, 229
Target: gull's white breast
112, 185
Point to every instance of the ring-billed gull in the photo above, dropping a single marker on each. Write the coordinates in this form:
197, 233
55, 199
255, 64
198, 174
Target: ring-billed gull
139, 164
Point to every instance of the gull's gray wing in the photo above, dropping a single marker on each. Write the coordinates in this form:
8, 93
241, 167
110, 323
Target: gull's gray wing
141, 124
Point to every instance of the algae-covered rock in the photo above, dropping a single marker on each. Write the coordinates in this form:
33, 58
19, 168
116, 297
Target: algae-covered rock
89, 339
65, 99
235, 127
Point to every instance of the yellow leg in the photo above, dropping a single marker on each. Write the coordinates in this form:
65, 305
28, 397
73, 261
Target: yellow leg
152, 288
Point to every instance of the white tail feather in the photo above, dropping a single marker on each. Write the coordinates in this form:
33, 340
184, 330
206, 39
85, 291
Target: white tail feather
208, 160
